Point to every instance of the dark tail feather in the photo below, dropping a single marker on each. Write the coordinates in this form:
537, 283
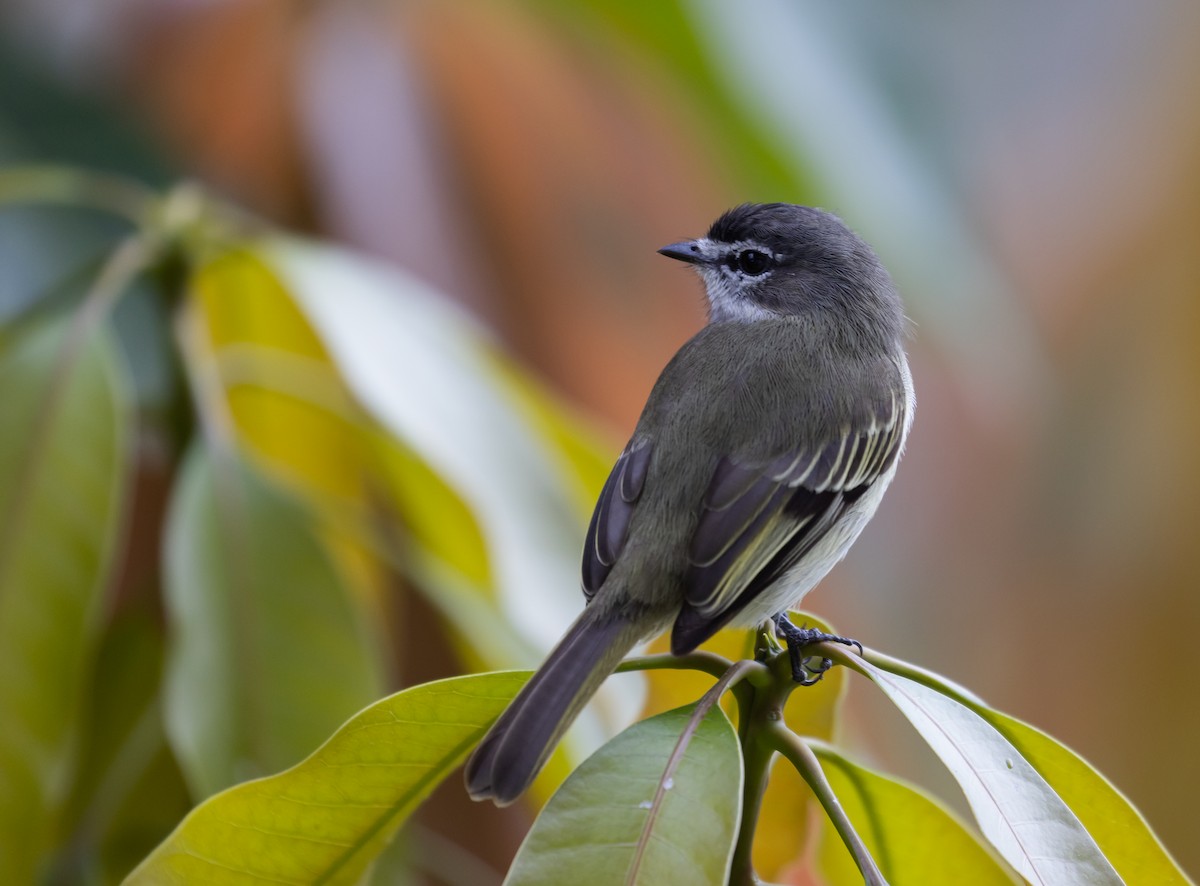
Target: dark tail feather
516, 747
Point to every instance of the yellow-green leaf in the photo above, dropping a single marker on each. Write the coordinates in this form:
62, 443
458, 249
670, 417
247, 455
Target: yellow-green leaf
268, 655
1019, 813
485, 458
435, 517
63, 468
288, 404
912, 837
425, 372
623, 818
1117, 827
325, 819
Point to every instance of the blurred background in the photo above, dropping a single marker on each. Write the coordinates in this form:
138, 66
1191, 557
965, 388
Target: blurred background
1029, 172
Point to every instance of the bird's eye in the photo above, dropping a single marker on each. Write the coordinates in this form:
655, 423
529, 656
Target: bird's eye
751, 262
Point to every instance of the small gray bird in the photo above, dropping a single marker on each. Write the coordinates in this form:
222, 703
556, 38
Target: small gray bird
765, 447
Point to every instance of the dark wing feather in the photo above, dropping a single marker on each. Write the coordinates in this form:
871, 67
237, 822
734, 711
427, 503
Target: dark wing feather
758, 520
609, 527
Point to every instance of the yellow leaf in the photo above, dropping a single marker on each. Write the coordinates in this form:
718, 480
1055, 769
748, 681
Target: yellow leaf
288, 404
434, 515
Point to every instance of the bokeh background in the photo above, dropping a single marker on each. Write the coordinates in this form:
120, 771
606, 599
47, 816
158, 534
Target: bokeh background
1029, 172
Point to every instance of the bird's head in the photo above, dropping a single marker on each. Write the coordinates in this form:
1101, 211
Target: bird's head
764, 261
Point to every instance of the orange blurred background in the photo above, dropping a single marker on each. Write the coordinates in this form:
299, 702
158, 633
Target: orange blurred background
1030, 173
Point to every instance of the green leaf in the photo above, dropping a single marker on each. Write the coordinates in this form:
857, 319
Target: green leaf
155, 802
268, 655
127, 791
911, 836
324, 820
63, 471
507, 511
1117, 827
1122, 834
619, 819
424, 371
1016, 809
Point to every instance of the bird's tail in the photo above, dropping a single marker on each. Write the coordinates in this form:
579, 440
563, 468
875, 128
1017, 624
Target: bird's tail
516, 747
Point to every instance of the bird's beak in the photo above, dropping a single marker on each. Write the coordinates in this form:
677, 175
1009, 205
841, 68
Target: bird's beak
693, 252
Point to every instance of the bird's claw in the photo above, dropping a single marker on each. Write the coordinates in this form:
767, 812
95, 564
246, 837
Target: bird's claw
798, 638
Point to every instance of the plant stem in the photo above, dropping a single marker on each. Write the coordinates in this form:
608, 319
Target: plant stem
709, 662
757, 756
760, 713
797, 751
763, 733
63, 185
917, 674
206, 386
130, 258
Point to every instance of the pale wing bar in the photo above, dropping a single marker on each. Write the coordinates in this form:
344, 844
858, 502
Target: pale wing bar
753, 517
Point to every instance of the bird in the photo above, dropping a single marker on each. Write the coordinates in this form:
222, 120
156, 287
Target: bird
763, 449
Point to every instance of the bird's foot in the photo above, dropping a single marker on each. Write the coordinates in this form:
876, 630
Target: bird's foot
798, 638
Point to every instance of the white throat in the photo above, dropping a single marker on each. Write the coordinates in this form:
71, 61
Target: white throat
727, 288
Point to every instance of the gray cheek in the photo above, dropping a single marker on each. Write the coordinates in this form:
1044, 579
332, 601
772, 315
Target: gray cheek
762, 293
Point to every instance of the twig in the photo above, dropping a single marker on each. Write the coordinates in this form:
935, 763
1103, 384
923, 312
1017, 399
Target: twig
63, 185
794, 748
708, 662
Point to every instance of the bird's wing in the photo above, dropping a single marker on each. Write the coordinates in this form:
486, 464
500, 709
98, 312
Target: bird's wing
610, 520
758, 519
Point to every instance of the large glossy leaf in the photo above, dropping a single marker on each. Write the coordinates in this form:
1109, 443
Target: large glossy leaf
289, 406
622, 817
583, 456
1116, 826
268, 655
1016, 809
63, 427
782, 834
912, 837
430, 377
325, 819
438, 522
419, 367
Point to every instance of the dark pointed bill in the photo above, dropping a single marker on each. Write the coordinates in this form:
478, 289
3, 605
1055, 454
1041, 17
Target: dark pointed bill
690, 251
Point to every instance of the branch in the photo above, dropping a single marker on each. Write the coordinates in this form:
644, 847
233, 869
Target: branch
794, 748
65, 186
708, 662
